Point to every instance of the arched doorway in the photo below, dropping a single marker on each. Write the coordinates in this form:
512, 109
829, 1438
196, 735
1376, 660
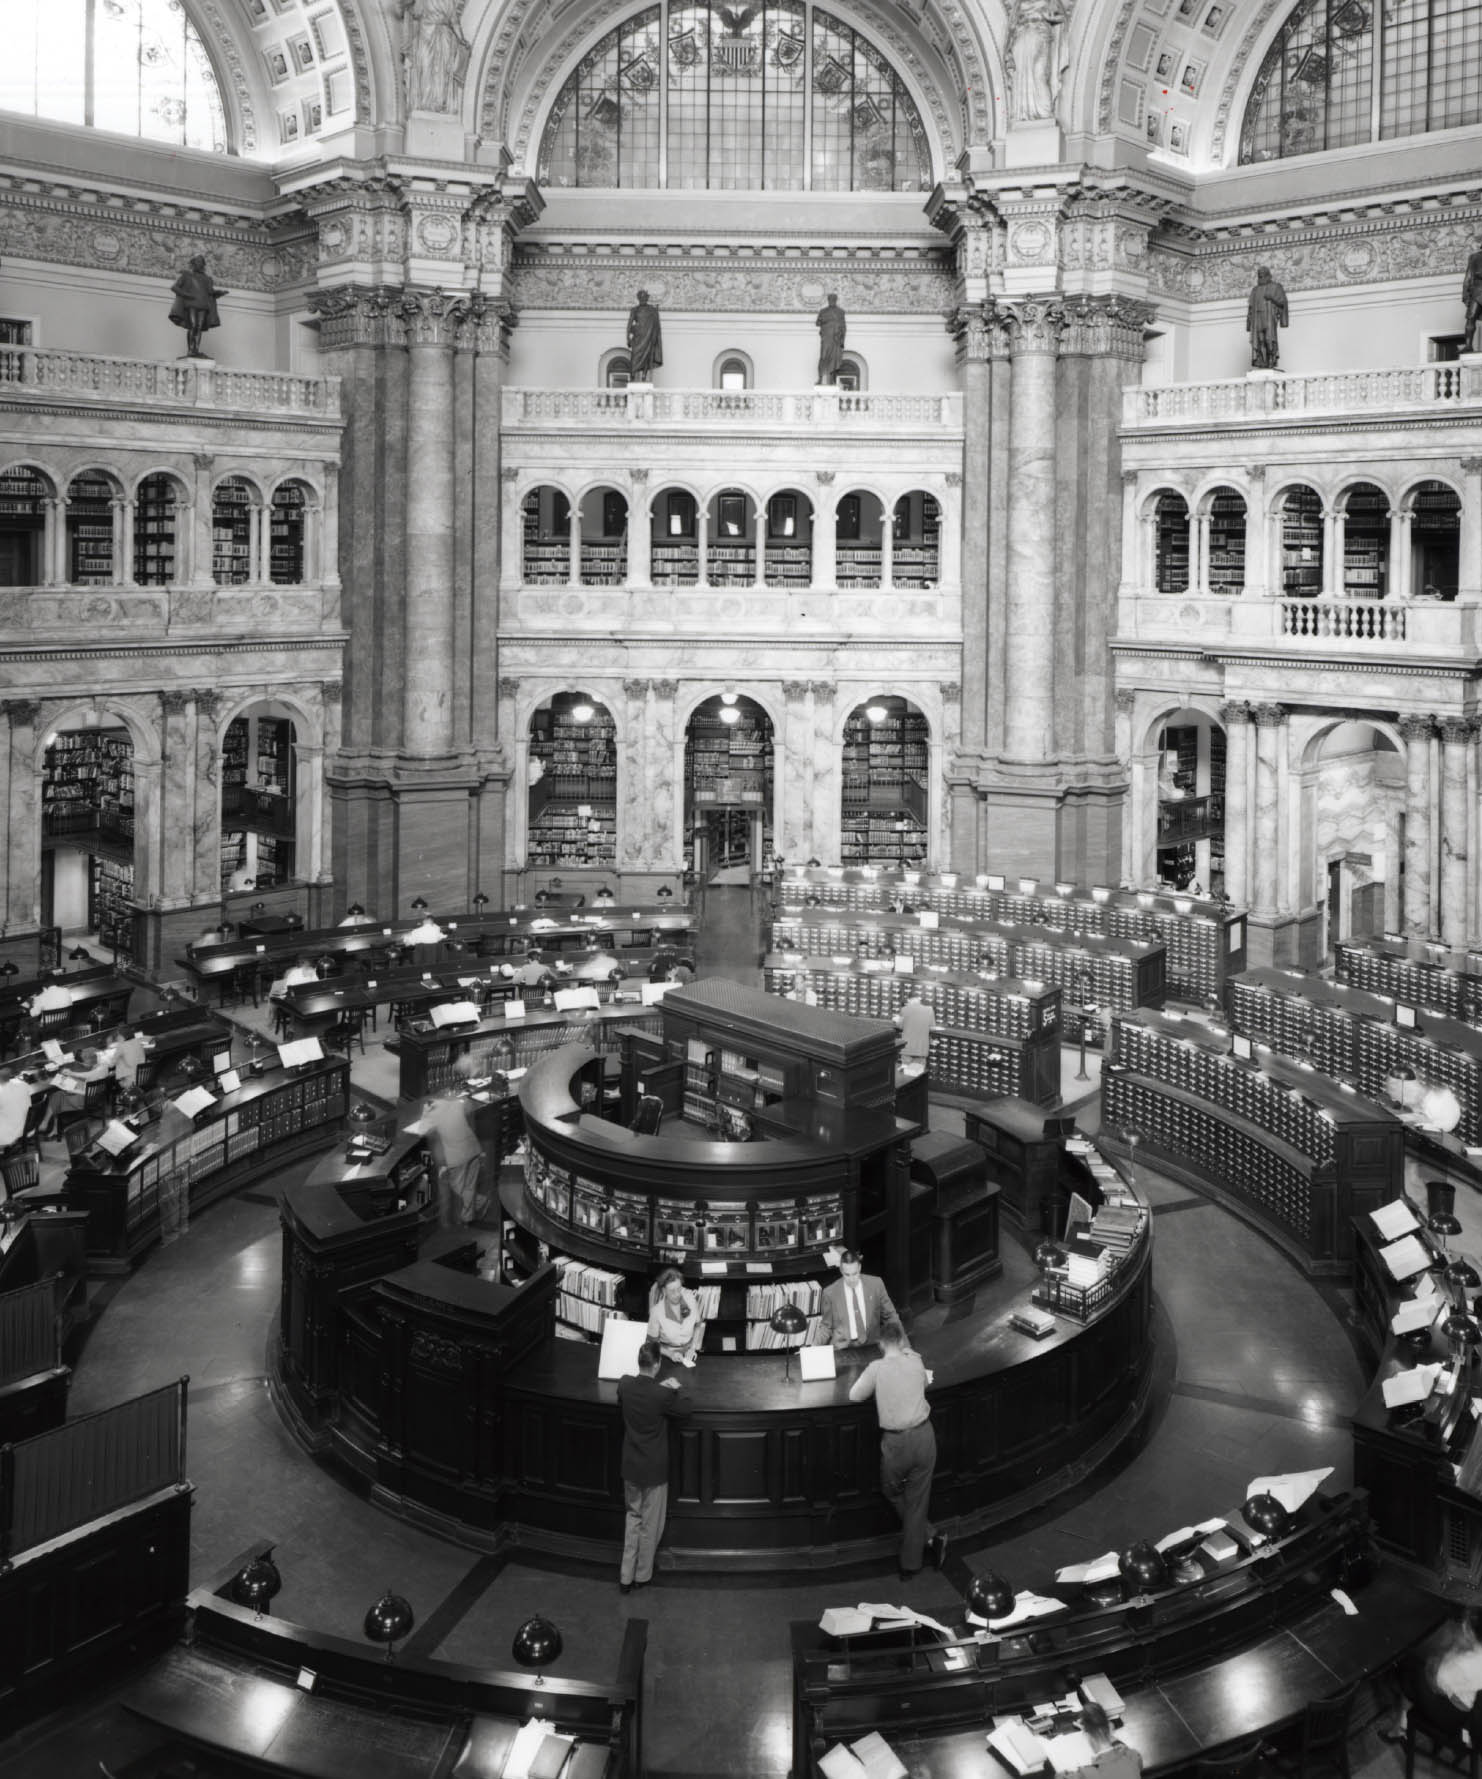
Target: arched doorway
573, 784
728, 748
259, 799
883, 819
87, 834
1353, 824
1191, 802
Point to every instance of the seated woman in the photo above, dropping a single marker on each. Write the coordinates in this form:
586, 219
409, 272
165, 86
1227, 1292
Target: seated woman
674, 1318
71, 1090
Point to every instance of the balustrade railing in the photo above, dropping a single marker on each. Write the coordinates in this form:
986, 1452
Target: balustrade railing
1348, 620
776, 409
1387, 389
166, 383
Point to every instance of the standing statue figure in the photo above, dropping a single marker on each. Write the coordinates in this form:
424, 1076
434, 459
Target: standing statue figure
1471, 296
435, 54
830, 323
1264, 314
194, 307
1037, 59
645, 340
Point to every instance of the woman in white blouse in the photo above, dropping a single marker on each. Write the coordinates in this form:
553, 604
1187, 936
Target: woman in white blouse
674, 1318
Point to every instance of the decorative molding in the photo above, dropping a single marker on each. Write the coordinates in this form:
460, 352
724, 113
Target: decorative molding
1236, 711
22, 712
1125, 700
636, 689
665, 688
509, 688
1105, 327
434, 1353
1455, 730
1269, 716
822, 688
175, 703
1416, 727
1033, 325
432, 318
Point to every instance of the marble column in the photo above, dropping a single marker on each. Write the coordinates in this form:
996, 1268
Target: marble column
1397, 554
792, 824
1416, 732
1456, 746
1470, 556
432, 320
199, 552
702, 545
1334, 548
1124, 708
20, 882
1270, 722
824, 570
174, 844
1034, 337
664, 839
1258, 531
825, 771
123, 533
573, 545
54, 544
640, 531
1236, 719
974, 339
637, 846
308, 812
206, 816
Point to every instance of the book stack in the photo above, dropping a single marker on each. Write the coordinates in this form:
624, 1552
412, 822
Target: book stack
1116, 1228
1087, 1262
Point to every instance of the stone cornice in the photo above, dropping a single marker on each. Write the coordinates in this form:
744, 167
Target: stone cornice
1422, 667
1304, 426
299, 641
198, 419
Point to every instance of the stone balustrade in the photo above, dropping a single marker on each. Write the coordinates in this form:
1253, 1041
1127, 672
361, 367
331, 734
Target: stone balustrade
1383, 629
163, 383
861, 413
1386, 390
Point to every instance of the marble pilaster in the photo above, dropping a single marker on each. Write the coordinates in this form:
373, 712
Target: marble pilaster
640, 531
20, 889
1034, 328
1456, 746
663, 821
432, 319
1271, 727
1236, 719
825, 770
1470, 540
308, 812
825, 532
1261, 531
206, 811
636, 844
794, 826
1417, 733
176, 824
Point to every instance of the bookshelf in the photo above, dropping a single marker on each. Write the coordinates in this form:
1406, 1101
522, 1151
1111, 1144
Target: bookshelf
1227, 543
231, 533
90, 531
545, 559
87, 786
23, 497
1301, 544
1435, 539
884, 785
788, 561
573, 806
1171, 527
154, 532
729, 763
731, 564
1366, 542
1293, 1151
234, 754
287, 523
915, 557
676, 562
857, 565
110, 903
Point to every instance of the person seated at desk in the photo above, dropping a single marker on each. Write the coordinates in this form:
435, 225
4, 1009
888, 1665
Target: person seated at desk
50, 1000
681, 971
533, 973
130, 1054
71, 1087
15, 1107
855, 1307
1113, 1759
302, 970
674, 1318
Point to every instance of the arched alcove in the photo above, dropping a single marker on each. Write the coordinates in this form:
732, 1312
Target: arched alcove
1353, 815
1190, 781
728, 782
259, 798
572, 807
88, 830
885, 802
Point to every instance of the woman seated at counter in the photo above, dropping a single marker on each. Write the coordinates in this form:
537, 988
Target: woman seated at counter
72, 1086
674, 1318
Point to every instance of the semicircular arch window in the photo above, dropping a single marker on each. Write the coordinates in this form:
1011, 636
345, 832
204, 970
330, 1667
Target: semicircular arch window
775, 95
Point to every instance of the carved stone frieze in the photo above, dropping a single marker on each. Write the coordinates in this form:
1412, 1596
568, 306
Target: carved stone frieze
1105, 326
760, 281
355, 315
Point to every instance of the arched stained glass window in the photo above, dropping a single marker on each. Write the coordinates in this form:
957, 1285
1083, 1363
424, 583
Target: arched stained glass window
776, 95
134, 66
1317, 87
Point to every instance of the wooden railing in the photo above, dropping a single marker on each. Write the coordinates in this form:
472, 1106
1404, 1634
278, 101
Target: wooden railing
30, 1331
78, 1473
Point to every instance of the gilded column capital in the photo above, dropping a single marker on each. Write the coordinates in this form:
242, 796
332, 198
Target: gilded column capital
1268, 716
976, 332
509, 472
208, 701
951, 691
508, 688
1416, 726
953, 478
1472, 465
353, 315
824, 477
1236, 711
636, 689
795, 690
1125, 700
490, 326
822, 688
664, 688
1034, 325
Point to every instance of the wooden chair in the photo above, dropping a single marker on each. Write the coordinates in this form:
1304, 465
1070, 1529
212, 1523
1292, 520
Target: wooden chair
53, 1020
30, 1137
1242, 1760
20, 1172
1436, 1721
346, 1031
1319, 1737
96, 1098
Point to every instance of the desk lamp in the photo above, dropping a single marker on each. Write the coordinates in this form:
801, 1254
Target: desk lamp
480, 901
8, 969
354, 911
1460, 1329
1461, 1275
390, 1618
419, 904
537, 1644
259, 908
1142, 1569
257, 1583
79, 954
361, 1113
787, 1321
989, 1596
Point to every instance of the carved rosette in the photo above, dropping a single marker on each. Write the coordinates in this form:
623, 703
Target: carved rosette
432, 318
1106, 326
1032, 326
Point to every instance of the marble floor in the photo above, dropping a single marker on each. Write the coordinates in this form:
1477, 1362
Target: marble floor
1256, 1372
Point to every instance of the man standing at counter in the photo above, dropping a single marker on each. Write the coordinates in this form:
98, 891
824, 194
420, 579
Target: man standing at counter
648, 1406
855, 1307
458, 1152
908, 1445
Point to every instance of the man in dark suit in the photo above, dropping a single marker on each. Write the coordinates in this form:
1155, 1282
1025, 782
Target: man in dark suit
854, 1306
648, 1406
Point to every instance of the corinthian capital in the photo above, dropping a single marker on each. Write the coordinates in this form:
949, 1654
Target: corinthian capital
432, 317
1033, 324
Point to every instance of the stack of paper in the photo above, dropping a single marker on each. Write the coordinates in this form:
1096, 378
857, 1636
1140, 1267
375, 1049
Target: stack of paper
1407, 1256
1086, 1574
877, 1759
1017, 1746
1419, 1312
1290, 1489
1086, 1262
844, 1621
1410, 1386
1096, 1689
1026, 1606
1221, 1546
1395, 1219
1070, 1751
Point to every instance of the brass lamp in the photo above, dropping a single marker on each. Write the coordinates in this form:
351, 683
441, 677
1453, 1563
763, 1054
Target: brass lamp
537, 1644
787, 1320
389, 1620
989, 1596
257, 1583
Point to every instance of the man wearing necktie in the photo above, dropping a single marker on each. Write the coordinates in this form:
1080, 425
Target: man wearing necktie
854, 1306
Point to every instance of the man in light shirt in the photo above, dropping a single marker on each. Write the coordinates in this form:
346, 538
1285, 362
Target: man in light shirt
15, 1104
855, 1307
908, 1446
50, 1000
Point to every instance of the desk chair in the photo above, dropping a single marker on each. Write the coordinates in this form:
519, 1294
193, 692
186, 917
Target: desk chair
96, 1097
346, 1031
53, 1020
1436, 1721
80, 1134
30, 1137
20, 1172
1243, 1760
1319, 1737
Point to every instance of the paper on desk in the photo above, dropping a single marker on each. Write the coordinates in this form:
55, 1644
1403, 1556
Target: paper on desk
816, 1362
1292, 1489
1098, 1569
844, 1621
838, 1763
1026, 1606
301, 1050
1017, 1746
904, 1615
523, 1749
1097, 1689
1421, 1312
53, 1051
878, 1758
1343, 1600
1070, 1751
1410, 1386
1407, 1256
114, 1137
193, 1100
1395, 1219
228, 1080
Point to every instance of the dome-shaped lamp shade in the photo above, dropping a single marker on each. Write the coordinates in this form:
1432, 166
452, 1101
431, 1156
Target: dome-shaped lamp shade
537, 1643
190, 1068
1460, 1327
363, 1113
1461, 1275
989, 1596
788, 1321
127, 1099
257, 1583
1265, 1514
389, 1620
1048, 1254
1143, 1568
